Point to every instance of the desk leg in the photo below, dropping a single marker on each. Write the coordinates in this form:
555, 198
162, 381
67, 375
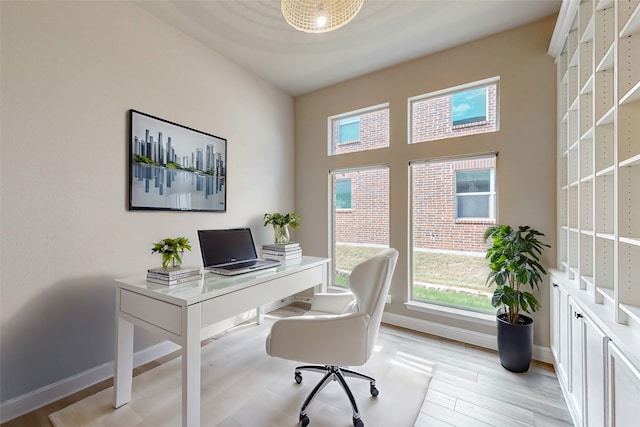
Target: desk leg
259, 315
191, 360
123, 363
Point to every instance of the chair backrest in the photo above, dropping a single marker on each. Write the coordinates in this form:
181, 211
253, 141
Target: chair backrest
369, 283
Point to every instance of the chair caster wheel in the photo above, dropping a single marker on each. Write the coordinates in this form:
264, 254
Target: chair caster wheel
357, 422
304, 420
298, 379
373, 390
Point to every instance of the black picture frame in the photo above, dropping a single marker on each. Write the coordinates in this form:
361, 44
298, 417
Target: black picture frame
175, 168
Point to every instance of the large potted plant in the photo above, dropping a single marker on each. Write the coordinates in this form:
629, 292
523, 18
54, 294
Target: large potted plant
281, 224
514, 260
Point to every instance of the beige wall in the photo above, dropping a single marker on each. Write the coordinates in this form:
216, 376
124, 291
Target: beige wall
70, 72
525, 143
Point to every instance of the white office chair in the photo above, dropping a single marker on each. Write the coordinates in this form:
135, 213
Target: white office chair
340, 330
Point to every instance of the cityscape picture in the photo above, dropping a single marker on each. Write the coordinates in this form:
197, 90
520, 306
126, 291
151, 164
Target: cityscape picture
173, 167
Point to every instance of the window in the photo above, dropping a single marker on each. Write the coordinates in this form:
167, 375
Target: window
475, 194
349, 130
343, 194
452, 204
361, 130
360, 227
463, 110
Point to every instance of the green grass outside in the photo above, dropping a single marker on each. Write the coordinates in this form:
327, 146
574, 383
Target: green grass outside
458, 271
456, 299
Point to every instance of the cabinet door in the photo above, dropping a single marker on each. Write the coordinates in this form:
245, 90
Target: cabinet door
594, 379
624, 390
560, 330
576, 349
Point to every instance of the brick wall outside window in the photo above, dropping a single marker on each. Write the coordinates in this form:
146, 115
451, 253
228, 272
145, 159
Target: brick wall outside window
434, 213
431, 119
368, 219
374, 133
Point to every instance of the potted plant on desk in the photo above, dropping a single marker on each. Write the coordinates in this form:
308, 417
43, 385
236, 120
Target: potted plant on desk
281, 224
172, 250
514, 263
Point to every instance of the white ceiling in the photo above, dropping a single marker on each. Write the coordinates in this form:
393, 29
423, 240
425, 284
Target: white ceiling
254, 34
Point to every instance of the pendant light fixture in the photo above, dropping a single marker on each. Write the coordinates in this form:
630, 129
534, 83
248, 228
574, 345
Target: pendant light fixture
319, 16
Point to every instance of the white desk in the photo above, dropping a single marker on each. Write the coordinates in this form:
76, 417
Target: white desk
182, 314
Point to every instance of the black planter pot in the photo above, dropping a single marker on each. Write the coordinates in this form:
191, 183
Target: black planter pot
515, 343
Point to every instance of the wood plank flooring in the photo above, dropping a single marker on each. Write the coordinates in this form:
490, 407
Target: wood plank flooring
469, 388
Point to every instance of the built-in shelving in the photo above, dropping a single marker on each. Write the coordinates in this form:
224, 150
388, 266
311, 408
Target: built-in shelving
595, 298
599, 154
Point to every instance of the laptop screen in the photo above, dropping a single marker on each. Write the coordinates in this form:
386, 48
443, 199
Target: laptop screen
224, 246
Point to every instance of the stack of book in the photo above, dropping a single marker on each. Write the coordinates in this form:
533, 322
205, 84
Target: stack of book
285, 252
173, 276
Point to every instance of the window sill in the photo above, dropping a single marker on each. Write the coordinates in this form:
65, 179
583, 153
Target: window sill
469, 125
487, 221
454, 313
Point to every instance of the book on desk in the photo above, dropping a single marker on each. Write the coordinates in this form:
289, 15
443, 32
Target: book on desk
285, 252
174, 275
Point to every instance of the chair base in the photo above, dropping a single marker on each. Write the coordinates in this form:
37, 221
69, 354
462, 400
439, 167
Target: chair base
333, 373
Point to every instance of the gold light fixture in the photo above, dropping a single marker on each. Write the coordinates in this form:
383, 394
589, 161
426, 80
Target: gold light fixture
319, 16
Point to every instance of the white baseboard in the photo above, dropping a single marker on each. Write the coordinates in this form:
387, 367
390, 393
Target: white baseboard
31, 401
28, 402
480, 339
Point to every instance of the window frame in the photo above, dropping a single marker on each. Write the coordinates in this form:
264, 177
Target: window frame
433, 307
486, 109
346, 122
491, 199
335, 195
450, 92
331, 120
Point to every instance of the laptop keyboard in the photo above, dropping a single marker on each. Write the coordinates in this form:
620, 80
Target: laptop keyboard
240, 265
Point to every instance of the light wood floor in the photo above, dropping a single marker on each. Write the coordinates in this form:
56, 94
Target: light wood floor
469, 388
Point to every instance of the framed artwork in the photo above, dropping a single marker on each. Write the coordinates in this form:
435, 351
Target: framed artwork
175, 168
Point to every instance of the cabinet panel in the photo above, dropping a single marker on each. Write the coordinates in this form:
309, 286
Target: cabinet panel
604, 35
604, 268
624, 389
560, 330
586, 262
576, 375
605, 198
604, 148
626, 12
595, 347
628, 131
629, 274
586, 205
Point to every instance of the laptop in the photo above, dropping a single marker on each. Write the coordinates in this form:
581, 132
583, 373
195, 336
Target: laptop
231, 252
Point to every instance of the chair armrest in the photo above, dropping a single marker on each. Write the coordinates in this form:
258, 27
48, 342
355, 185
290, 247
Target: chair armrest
335, 303
326, 340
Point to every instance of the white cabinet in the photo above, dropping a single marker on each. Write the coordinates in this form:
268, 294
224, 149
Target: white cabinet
597, 360
624, 385
579, 347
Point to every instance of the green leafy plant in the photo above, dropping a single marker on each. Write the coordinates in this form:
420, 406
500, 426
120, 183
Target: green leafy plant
277, 219
171, 250
514, 259
281, 224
